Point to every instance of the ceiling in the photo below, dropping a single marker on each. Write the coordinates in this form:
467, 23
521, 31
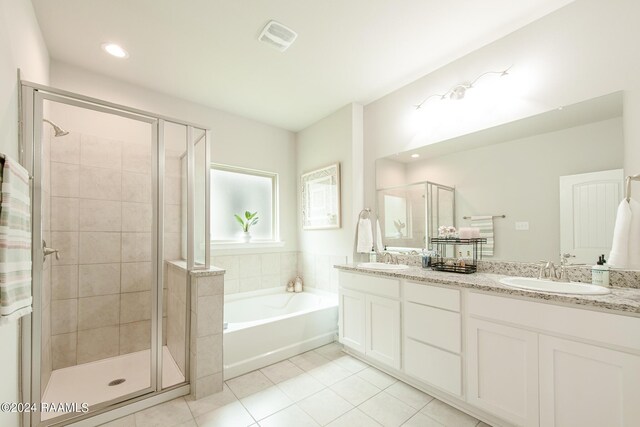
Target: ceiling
206, 51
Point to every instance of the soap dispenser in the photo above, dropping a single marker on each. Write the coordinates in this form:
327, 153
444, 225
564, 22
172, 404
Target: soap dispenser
600, 272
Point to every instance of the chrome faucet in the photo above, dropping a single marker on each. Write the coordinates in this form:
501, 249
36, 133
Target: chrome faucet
388, 258
549, 271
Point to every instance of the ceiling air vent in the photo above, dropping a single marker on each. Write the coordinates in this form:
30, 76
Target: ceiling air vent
277, 36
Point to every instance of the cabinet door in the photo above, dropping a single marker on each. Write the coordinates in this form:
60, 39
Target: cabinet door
502, 371
383, 330
585, 385
351, 321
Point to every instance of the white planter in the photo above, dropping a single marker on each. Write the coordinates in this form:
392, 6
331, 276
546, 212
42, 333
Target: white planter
246, 237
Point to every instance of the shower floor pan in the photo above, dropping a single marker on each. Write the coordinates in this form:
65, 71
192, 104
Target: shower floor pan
89, 382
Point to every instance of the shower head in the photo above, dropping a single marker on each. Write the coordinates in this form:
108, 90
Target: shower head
56, 128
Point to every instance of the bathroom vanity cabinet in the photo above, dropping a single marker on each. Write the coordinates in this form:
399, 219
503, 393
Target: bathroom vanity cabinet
369, 317
505, 359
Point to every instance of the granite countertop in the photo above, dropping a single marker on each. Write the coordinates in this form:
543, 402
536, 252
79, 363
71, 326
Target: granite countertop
211, 271
622, 300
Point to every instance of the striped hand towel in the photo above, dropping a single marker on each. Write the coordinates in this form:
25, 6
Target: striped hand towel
15, 241
485, 224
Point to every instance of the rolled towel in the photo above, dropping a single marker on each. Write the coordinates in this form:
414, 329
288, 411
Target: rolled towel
365, 236
619, 256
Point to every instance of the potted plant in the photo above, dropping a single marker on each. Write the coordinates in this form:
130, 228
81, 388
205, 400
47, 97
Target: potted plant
246, 223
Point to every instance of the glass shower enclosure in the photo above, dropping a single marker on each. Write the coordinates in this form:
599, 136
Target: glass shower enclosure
119, 196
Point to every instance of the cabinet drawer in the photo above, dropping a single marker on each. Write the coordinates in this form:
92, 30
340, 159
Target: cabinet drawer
433, 366
433, 326
434, 296
374, 285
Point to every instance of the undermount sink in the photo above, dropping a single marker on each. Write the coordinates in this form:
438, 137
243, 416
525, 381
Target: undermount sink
382, 266
554, 287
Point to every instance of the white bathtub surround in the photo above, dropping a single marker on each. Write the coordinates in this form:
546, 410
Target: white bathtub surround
89, 382
317, 270
268, 326
207, 305
271, 398
252, 272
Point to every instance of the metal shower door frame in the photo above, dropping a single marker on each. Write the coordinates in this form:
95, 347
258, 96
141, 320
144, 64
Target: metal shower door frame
32, 97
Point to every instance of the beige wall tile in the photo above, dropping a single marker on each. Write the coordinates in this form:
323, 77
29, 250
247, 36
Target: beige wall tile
97, 183
288, 261
209, 315
64, 281
99, 247
135, 336
96, 344
66, 242
206, 386
63, 350
271, 281
99, 279
64, 316
250, 266
249, 284
136, 158
136, 276
211, 285
136, 247
66, 149
229, 263
100, 152
97, 312
231, 286
64, 214
65, 180
172, 246
209, 355
270, 263
172, 190
172, 218
135, 306
136, 217
136, 187
100, 215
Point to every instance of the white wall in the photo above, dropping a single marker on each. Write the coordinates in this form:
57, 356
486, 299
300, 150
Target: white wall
21, 46
584, 50
632, 137
336, 138
520, 179
235, 140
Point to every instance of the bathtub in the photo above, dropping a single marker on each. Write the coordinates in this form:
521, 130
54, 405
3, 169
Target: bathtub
267, 326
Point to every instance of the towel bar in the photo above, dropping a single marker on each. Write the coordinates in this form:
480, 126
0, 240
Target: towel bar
627, 193
494, 216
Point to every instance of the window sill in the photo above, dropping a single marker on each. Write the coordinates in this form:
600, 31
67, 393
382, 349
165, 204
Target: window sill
239, 247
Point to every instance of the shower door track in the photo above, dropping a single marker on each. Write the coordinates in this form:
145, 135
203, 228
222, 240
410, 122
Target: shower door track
31, 100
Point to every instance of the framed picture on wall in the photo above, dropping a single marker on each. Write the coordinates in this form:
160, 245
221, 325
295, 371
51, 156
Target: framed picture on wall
321, 198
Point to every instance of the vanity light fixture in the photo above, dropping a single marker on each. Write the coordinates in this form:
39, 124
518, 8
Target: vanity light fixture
459, 91
115, 50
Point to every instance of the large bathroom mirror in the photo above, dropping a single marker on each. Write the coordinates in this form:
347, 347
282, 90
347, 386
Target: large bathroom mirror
548, 184
411, 214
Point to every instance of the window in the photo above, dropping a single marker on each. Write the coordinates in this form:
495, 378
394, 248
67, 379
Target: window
236, 190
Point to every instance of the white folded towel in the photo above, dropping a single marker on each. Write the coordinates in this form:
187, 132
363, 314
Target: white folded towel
625, 249
365, 236
379, 244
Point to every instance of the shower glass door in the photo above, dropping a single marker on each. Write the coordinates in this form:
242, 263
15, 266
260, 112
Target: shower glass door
97, 303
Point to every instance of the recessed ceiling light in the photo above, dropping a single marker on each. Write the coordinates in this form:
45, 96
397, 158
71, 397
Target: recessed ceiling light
415, 155
114, 50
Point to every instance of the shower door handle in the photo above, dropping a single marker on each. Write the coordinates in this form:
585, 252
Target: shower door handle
48, 251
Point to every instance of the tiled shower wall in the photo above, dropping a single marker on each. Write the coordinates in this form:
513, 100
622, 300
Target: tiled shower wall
45, 337
101, 218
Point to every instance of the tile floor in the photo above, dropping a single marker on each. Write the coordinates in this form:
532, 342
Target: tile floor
323, 387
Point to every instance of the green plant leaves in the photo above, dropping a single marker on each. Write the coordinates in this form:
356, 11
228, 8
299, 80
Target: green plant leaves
251, 219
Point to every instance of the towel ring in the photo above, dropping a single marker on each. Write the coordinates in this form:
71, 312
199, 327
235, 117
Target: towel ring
627, 193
